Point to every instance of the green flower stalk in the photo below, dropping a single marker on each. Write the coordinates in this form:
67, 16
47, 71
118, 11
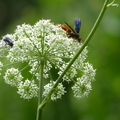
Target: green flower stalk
113, 4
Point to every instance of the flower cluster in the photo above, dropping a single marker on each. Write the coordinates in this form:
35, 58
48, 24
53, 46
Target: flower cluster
28, 89
57, 93
46, 44
13, 77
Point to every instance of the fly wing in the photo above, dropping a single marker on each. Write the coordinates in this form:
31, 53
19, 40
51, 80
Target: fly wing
77, 25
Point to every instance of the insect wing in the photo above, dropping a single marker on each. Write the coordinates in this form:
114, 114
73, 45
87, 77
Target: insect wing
77, 25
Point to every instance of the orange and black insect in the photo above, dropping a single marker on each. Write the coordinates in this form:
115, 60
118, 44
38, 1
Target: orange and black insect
73, 33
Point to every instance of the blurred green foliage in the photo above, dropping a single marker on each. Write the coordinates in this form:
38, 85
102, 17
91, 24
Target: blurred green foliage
103, 103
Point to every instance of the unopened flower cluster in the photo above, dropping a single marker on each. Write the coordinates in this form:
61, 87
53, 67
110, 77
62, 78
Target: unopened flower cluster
46, 44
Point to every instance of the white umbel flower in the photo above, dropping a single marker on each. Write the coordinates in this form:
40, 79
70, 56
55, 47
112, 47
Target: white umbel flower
46, 44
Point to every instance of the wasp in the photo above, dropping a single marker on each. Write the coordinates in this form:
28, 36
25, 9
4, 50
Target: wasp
73, 33
8, 41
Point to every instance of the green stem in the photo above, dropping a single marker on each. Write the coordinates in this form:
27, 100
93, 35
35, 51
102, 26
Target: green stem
39, 111
110, 4
46, 99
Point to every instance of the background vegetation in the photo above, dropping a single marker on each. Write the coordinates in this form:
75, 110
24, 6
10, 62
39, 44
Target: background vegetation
103, 103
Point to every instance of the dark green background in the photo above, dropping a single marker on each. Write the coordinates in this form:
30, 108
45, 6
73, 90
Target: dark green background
103, 103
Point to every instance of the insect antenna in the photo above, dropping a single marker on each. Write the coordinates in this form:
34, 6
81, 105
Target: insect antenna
71, 28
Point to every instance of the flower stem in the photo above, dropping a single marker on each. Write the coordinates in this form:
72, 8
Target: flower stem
110, 3
39, 111
100, 16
